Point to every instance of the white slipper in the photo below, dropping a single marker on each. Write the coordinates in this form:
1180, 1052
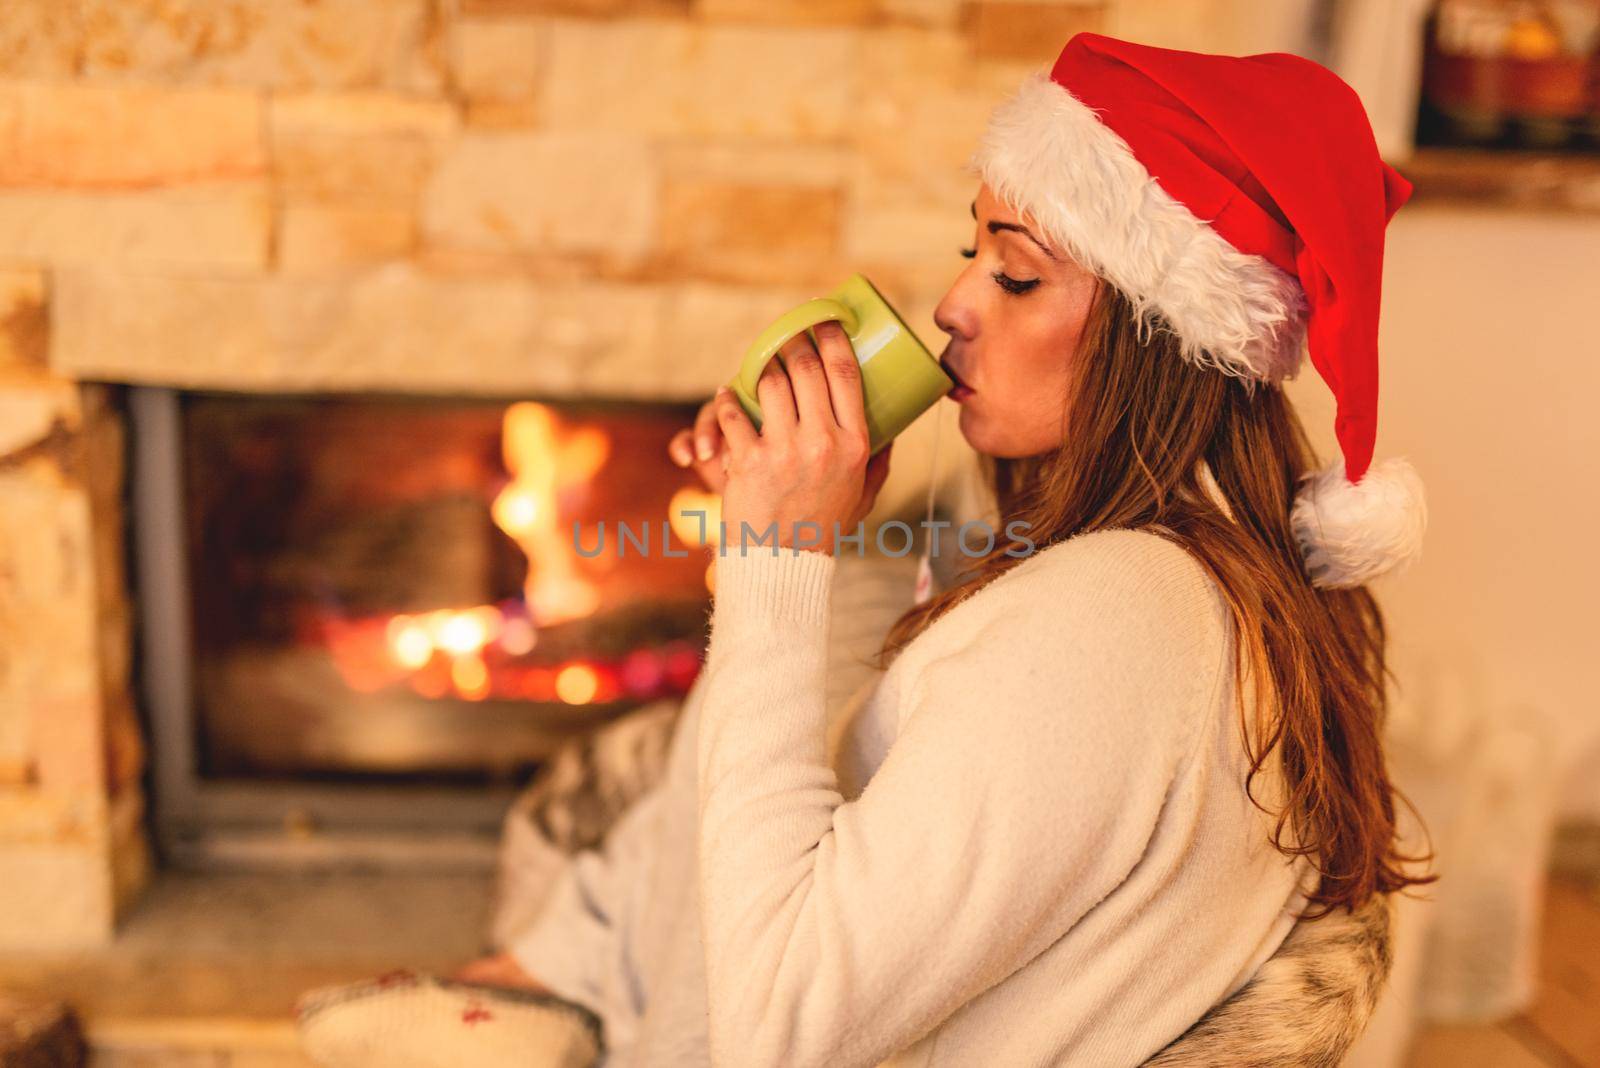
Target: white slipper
410, 1019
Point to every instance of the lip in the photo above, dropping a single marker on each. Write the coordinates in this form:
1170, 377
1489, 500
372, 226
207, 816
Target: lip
959, 391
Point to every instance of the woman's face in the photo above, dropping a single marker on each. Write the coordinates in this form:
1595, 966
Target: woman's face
1013, 316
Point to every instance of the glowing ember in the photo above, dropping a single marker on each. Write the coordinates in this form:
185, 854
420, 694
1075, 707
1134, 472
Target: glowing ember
459, 633
577, 684
643, 671
409, 642
470, 677
517, 637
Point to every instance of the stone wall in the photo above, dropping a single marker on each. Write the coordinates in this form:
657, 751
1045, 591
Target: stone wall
585, 195
71, 847
501, 197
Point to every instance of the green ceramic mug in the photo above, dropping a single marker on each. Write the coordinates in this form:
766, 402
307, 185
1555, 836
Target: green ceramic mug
900, 378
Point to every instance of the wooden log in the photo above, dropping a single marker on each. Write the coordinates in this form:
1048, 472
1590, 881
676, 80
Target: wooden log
37, 1033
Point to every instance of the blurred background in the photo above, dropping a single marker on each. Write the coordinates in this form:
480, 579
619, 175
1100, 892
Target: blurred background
323, 322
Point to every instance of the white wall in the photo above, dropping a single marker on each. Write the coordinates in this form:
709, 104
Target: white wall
1490, 375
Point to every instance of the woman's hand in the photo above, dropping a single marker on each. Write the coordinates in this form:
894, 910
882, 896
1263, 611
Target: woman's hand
702, 448
809, 463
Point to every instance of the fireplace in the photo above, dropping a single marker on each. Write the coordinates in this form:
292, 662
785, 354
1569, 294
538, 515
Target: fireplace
367, 619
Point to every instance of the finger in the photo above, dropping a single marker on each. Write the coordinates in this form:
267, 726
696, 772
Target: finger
737, 429
707, 434
679, 447
809, 382
714, 472
773, 390
844, 378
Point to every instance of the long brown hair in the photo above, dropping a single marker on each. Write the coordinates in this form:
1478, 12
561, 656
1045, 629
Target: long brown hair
1141, 420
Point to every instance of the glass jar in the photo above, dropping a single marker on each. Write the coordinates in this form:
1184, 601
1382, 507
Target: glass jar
1509, 73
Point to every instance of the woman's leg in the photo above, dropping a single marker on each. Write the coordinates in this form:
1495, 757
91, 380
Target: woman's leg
500, 969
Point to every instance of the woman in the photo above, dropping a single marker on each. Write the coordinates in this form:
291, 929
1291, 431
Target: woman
1104, 773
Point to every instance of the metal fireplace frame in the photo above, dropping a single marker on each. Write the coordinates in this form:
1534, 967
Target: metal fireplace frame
221, 823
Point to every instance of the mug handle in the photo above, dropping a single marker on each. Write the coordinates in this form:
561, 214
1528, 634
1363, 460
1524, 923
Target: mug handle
803, 317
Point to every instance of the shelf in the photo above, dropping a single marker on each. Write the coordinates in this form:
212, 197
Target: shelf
1565, 182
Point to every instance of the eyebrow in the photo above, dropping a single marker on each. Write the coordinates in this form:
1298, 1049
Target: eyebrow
995, 227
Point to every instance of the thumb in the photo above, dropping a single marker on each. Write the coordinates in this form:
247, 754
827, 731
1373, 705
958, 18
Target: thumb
877, 474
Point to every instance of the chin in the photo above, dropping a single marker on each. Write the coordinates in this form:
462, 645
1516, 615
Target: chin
984, 435
998, 441
979, 432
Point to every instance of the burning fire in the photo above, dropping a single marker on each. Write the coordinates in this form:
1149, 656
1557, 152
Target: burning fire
546, 459
478, 652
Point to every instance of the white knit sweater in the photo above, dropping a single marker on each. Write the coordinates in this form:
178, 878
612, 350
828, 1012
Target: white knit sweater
1027, 843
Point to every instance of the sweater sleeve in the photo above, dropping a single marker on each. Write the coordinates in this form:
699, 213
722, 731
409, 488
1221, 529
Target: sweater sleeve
1026, 781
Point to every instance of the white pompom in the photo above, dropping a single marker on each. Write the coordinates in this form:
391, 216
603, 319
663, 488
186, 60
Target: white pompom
1350, 533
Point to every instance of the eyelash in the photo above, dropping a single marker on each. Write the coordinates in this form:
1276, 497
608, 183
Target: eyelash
1010, 285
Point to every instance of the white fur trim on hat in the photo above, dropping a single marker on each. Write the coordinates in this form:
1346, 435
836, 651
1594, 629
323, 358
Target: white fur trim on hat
1048, 155
1350, 533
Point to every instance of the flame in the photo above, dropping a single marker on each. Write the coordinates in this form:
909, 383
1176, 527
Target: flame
546, 458
444, 650
475, 653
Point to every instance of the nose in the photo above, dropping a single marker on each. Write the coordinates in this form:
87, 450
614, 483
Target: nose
954, 314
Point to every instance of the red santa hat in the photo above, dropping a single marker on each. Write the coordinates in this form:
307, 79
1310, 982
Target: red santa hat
1240, 203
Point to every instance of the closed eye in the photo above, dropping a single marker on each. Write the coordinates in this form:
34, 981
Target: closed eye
1016, 286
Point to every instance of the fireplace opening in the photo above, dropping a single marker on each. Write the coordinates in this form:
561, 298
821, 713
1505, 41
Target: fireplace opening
351, 594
